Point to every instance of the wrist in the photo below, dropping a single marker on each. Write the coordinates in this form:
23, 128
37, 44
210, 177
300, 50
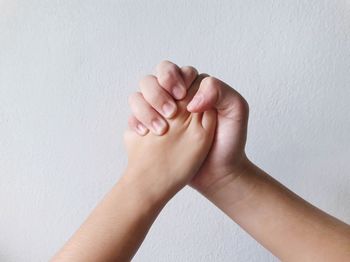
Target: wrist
148, 192
234, 187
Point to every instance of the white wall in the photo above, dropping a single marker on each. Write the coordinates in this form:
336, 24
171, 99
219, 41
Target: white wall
67, 67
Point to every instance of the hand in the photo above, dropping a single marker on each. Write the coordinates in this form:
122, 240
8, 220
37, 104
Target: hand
167, 163
158, 167
227, 157
253, 199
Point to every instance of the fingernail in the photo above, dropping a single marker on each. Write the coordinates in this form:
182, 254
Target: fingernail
168, 109
178, 92
141, 129
197, 99
158, 126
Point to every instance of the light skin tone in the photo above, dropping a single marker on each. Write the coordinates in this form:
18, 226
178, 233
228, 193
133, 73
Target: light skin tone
216, 166
157, 169
288, 226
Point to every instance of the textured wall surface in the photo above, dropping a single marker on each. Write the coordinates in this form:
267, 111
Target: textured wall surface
67, 67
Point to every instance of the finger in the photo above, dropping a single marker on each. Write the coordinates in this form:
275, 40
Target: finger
192, 90
146, 114
157, 97
189, 74
213, 93
137, 126
170, 78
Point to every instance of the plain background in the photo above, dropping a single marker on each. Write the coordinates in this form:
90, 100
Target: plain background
67, 68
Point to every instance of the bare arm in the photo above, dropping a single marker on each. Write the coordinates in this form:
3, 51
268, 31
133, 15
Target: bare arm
117, 226
288, 226
157, 169
284, 223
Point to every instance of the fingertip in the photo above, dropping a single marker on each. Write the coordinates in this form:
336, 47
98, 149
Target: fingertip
195, 103
159, 127
141, 129
169, 109
191, 108
189, 74
136, 126
170, 78
178, 91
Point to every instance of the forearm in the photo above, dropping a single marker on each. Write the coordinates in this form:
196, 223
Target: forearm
288, 226
117, 226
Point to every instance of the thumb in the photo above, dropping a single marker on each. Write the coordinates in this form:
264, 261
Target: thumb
215, 94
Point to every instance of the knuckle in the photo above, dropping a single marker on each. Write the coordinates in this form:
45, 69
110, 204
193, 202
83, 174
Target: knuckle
167, 79
162, 65
165, 63
172, 67
145, 80
133, 97
191, 69
210, 81
193, 72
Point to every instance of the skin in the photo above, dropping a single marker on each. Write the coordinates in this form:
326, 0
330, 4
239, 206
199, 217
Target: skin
288, 226
214, 115
157, 169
